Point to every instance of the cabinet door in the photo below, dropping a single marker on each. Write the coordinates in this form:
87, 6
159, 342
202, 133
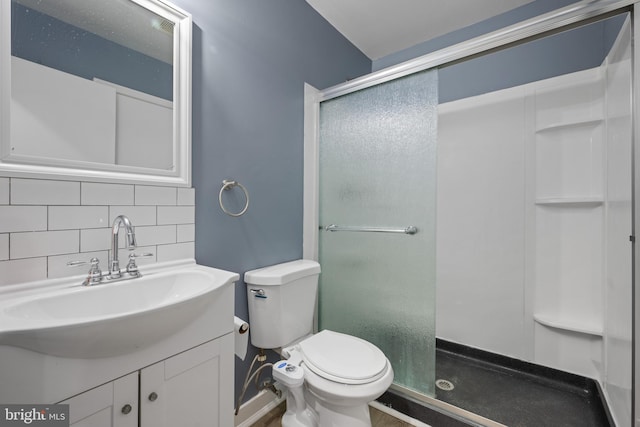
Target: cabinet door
114, 404
191, 389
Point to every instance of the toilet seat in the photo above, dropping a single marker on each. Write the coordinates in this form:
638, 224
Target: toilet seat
343, 358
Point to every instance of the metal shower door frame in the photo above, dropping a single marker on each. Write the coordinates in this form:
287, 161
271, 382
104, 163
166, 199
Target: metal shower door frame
565, 18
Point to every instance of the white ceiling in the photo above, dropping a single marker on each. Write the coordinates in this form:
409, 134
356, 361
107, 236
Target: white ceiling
381, 27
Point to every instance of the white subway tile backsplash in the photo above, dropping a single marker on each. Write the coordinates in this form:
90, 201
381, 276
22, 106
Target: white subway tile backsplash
186, 196
4, 246
57, 264
22, 270
94, 193
23, 218
44, 192
99, 239
138, 215
156, 235
176, 215
70, 217
175, 252
149, 195
43, 243
186, 232
4, 191
95, 239
46, 223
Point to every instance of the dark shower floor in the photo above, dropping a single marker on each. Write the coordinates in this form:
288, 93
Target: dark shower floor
509, 391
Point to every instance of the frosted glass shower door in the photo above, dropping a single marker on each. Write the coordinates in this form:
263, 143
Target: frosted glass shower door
377, 178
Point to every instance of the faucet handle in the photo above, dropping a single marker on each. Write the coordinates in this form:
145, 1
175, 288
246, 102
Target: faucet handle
93, 261
132, 268
95, 275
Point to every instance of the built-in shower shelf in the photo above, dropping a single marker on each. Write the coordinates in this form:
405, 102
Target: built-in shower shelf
577, 202
551, 127
565, 324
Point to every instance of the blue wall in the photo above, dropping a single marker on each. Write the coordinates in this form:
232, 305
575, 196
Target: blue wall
47, 41
250, 61
578, 49
562, 53
522, 13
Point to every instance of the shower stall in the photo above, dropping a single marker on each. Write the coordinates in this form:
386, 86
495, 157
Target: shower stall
483, 195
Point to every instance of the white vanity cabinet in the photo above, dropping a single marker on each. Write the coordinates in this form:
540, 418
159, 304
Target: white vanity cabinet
104, 406
190, 389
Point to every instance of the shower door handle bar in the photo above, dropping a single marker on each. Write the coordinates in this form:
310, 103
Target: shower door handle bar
406, 230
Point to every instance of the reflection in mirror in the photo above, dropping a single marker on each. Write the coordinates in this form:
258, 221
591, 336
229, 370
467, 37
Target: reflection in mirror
541, 221
99, 85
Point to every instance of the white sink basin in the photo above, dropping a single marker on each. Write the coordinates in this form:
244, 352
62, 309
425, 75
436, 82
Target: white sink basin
109, 319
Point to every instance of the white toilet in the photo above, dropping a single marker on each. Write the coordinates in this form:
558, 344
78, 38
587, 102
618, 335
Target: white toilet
330, 377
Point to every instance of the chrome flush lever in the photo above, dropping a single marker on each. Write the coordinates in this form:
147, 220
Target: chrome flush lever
258, 293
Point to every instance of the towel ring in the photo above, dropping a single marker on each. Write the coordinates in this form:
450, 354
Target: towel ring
227, 185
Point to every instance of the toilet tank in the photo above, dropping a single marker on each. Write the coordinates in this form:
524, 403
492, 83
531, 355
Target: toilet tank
282, 302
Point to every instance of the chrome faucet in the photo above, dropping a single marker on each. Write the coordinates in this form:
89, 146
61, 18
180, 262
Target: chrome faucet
96, 276
114, 265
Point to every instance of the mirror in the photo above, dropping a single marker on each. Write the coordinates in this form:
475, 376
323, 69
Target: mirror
97, 90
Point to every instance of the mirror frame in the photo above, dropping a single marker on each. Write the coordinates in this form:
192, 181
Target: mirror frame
179, 175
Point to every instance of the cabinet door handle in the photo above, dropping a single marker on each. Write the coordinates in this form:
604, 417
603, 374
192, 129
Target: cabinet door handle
126, 409
153, 396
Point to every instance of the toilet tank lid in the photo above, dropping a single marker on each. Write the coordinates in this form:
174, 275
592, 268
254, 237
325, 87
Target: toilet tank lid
280, 274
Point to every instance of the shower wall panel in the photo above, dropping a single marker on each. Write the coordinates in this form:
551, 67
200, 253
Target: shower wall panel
567, 232
618, 306
480, 231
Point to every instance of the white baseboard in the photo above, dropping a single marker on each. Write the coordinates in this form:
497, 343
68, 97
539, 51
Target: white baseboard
256, 407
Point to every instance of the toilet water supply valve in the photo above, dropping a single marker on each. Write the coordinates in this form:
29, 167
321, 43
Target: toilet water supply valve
266, 384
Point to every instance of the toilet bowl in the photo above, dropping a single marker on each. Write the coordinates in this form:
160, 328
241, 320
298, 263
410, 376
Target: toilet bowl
330, 376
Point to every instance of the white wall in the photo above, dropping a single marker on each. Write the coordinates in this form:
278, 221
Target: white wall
480, 222
81, 129
618, 295
99, 121
46, 223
